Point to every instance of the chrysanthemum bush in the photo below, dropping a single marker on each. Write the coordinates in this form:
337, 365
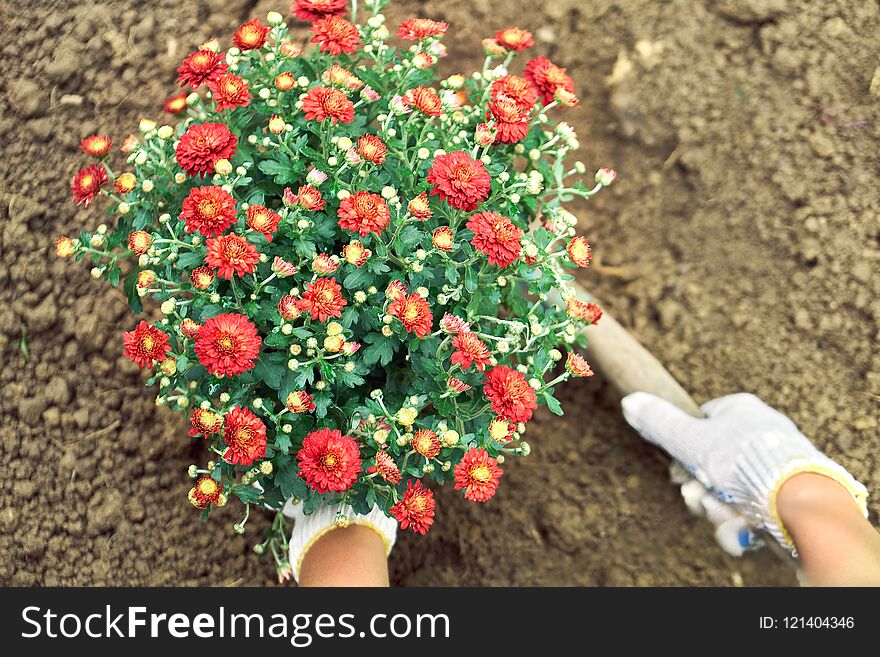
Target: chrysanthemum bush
356, 263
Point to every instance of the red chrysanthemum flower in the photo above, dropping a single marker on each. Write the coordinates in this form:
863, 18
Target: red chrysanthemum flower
419, 207
245, 437
588, 312
96, 145
287, 307
363, 213
230, 91
250, 35
443, 238
426, 443
579, 251
577, 365
336, 35
145, 344
200, 67
469, 349
299, 401
418, 29
64, 247
322, 299
460, 180
87, 183
201, 277
386, 467
329, 461
139, 242
515, 88
514, 38
146, 278
202, 145
511, 120
372, 149
425, 100
547, 77
416, 509
312, 10
341, 77
228, 344
231, 254
189, 327
310, 198
453, 325
478, 473
496, 236
510, 394
175, 104
324, 264
262, 220
395, 290
500, 430
457, 385
208, 210
206, 491
355, 253
414, 312
204, 422
125, 182
323, 103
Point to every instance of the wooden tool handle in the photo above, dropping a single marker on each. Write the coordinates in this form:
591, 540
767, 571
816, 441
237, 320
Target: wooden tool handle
627, 365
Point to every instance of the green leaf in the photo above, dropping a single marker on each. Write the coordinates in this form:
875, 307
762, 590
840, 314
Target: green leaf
247, 494
552, 403
471, 279
129, 285
290, 484
190, 259
269, 373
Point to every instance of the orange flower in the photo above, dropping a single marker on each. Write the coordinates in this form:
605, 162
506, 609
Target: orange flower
200, 67
478, 474
496, 236
386, 467
579, 251
64, 247
355, 253
416, 509
336, 35
230, 91
515, 88
175, 104
414, 312
201, 277
87, 183
262, 220
299, 401
189, 327
419, 207
96, 145
469, 349
510, 395
419, 29
588, 312
363, 213
372, 149
206, 491
245, 437
323, 103
310, 198
125, 183
202, 146
287, 307
208, 210
231, 254
511, 120
577, 365
145, 345
139, 242
285, 81
322, 299
228, 344
547, 77
341, 77
204, 422
514, 38
459, 180
250, 36
443, 238
425, 99
426, 443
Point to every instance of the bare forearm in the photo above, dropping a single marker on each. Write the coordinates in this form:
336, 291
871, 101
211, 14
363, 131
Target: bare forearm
353, 556
837, 545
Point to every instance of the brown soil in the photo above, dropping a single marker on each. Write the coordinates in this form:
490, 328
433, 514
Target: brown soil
740, 244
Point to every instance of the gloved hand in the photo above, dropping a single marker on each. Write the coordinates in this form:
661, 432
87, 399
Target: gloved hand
309, 528
741, 454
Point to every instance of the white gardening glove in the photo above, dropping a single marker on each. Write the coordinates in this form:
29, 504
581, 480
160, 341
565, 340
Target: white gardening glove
741, 453
309, 528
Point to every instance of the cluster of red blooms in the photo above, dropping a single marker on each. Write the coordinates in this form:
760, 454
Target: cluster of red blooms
452, 199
